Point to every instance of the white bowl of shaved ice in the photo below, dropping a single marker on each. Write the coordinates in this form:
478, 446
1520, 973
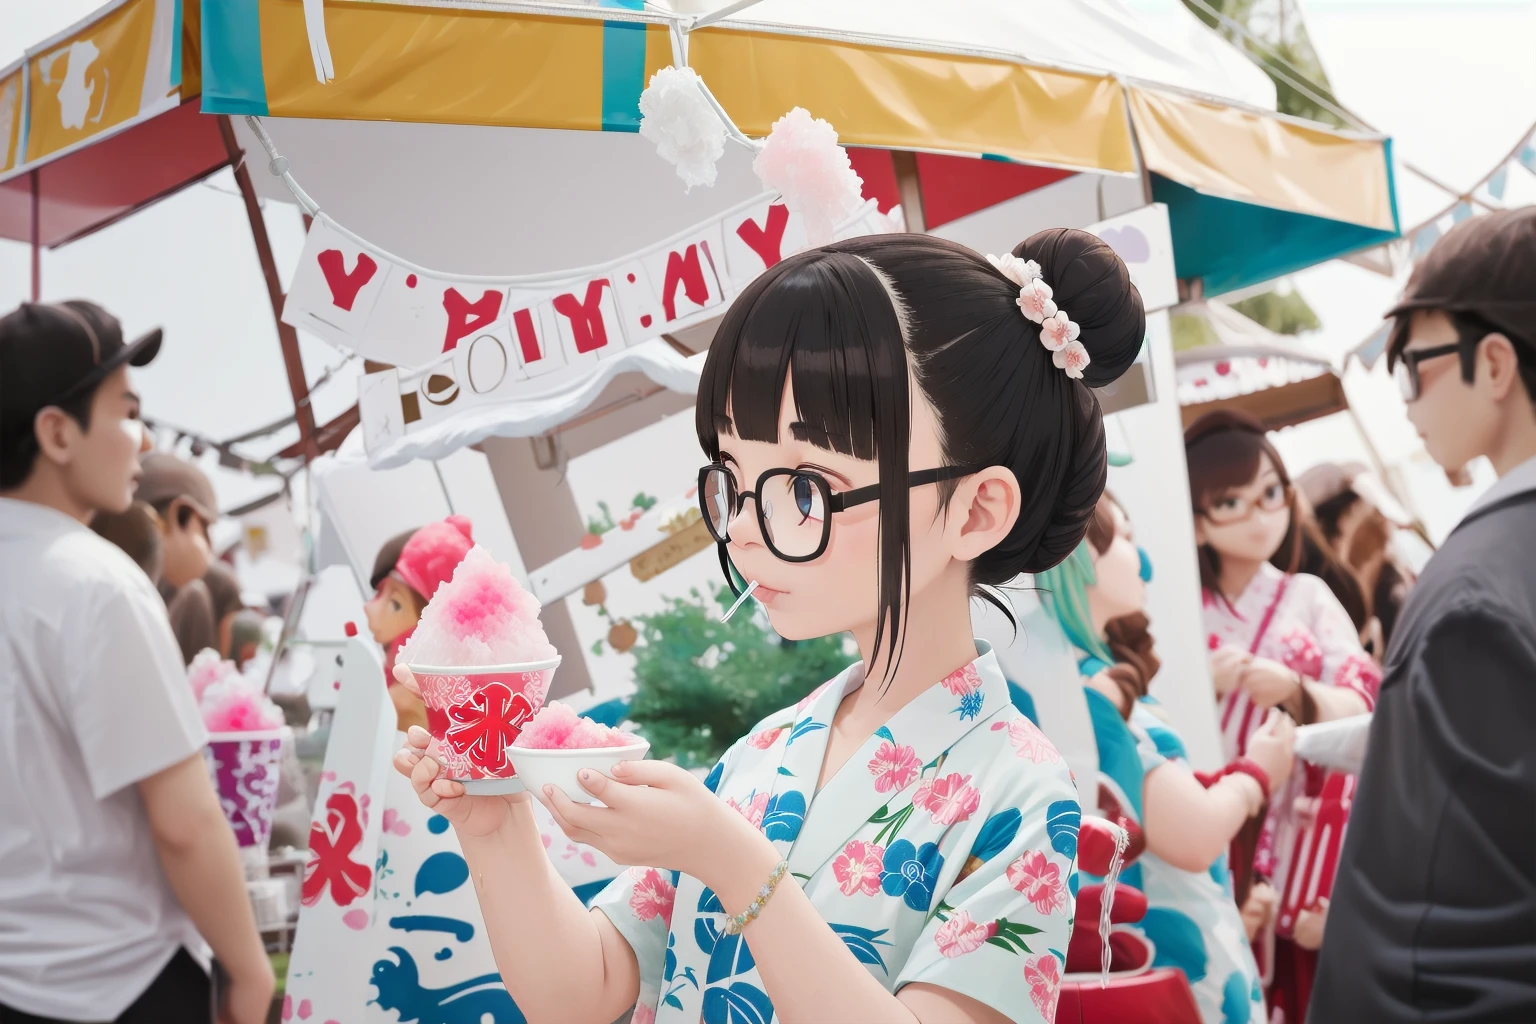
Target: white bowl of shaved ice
559, 743
483, 665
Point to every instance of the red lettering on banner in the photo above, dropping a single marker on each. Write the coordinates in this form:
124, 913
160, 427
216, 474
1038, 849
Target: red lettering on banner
527, 337
586, 318
766, 241
687, 271
465, 317
344, 286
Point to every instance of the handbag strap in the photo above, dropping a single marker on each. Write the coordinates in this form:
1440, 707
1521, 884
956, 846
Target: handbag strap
1269, 615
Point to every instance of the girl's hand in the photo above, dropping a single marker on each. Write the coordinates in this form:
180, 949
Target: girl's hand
470, 815
1269, 683
656, 814
1227, 664
1259, 911
1310, 924
1273, 748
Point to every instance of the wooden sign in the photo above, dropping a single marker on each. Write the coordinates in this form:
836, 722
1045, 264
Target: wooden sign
675, 549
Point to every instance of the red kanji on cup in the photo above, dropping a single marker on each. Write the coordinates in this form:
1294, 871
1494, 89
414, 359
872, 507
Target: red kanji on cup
486, 723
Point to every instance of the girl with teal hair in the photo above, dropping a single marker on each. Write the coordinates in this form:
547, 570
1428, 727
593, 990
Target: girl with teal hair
1097, 596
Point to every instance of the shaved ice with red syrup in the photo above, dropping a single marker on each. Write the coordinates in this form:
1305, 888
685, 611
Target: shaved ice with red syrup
482, 616
557, 727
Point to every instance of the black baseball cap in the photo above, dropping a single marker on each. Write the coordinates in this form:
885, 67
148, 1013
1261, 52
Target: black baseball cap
1485, 266
51, 352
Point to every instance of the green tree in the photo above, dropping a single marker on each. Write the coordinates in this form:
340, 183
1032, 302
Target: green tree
1282, 40
700, 683
1283, 313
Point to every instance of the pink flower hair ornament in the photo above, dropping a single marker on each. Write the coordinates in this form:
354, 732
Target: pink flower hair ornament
1058, 332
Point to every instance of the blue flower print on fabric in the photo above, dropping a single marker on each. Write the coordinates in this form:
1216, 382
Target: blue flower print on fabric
1061, 821
912, 873
803, 727
1167, 743
474, 1001
863, 943
1177, 940
712, 781
1221, 875
1236, 1001
995, 835
970, 705
740, 1003
785, 816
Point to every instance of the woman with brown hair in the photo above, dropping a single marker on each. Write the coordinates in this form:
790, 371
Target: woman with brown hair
1188, 820
1278, 638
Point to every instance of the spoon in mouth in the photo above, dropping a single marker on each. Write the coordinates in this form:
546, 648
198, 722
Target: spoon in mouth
739, 601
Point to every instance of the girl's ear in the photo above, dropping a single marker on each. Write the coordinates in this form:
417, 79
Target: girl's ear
983, 510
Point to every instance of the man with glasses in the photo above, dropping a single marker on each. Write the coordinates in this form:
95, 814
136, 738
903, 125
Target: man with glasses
115, 859
1434, 910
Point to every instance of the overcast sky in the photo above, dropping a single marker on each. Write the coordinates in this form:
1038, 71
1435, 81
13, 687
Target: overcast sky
1453, 83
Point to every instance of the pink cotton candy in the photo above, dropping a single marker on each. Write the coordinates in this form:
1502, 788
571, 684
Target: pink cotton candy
557, 727
482, 616
234, 704
802, 161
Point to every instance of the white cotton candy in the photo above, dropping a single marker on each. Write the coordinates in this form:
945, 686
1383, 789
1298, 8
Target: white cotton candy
680, 120
802, 161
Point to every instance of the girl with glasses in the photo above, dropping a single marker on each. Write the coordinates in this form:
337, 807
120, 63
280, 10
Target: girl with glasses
891, 425
1098, 597
1278, 638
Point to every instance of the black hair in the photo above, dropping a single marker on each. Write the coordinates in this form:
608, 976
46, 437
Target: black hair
848, 323
18, 441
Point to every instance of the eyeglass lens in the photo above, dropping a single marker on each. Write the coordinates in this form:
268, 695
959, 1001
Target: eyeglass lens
1236, 508
791, 509
1406, 375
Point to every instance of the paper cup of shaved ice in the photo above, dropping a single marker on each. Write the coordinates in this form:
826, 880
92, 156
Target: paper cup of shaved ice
483, 665
244, 752
558, 743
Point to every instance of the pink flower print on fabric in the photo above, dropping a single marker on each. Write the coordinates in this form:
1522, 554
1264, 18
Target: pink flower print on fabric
1035, 301
1043, 976
894, 766
1073, 358
753, 810
1039, 881
1361, 674
858, 868
1029, 742
963, 681
765, 739
949, 800
1301, 653
652, 895
1057, 331
960, 935
643, 1015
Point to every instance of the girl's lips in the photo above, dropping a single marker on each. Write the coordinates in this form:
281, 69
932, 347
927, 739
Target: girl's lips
766, 595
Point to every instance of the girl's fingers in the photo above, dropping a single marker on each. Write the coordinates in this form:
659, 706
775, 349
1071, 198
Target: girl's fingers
405, 761
417, 738
559, 805
423, 774
404, 677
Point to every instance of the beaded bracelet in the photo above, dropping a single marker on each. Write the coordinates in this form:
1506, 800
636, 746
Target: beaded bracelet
735, 925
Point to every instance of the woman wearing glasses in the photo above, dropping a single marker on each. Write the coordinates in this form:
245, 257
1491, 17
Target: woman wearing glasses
1278, 638
891, 425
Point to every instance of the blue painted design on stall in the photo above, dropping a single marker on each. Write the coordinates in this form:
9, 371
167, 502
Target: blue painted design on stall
441, 873
437, 824
474, 1001
461, 930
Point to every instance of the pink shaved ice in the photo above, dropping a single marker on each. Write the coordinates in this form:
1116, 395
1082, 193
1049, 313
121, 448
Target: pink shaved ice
235, 704
482, 616
206, 669
557, 727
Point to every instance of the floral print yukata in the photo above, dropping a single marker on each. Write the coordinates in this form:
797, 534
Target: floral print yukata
1191, 921
942, 852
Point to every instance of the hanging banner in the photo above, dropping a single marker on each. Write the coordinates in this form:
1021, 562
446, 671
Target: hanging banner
359, 297
11, 116
487, 341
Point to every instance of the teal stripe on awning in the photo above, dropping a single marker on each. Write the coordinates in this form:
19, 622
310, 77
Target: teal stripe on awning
232, 77
623, 69
1230, 244
176, 46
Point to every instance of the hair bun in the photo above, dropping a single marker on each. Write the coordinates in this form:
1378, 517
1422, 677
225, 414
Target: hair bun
1091, 283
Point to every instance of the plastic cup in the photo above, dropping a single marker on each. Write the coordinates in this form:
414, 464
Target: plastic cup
246, 768
474, 714
557, 766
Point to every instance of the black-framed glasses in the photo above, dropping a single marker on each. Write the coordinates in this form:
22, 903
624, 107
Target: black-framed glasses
794, 506
1406, 372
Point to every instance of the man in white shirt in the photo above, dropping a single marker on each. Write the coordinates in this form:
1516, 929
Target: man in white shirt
115, 859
